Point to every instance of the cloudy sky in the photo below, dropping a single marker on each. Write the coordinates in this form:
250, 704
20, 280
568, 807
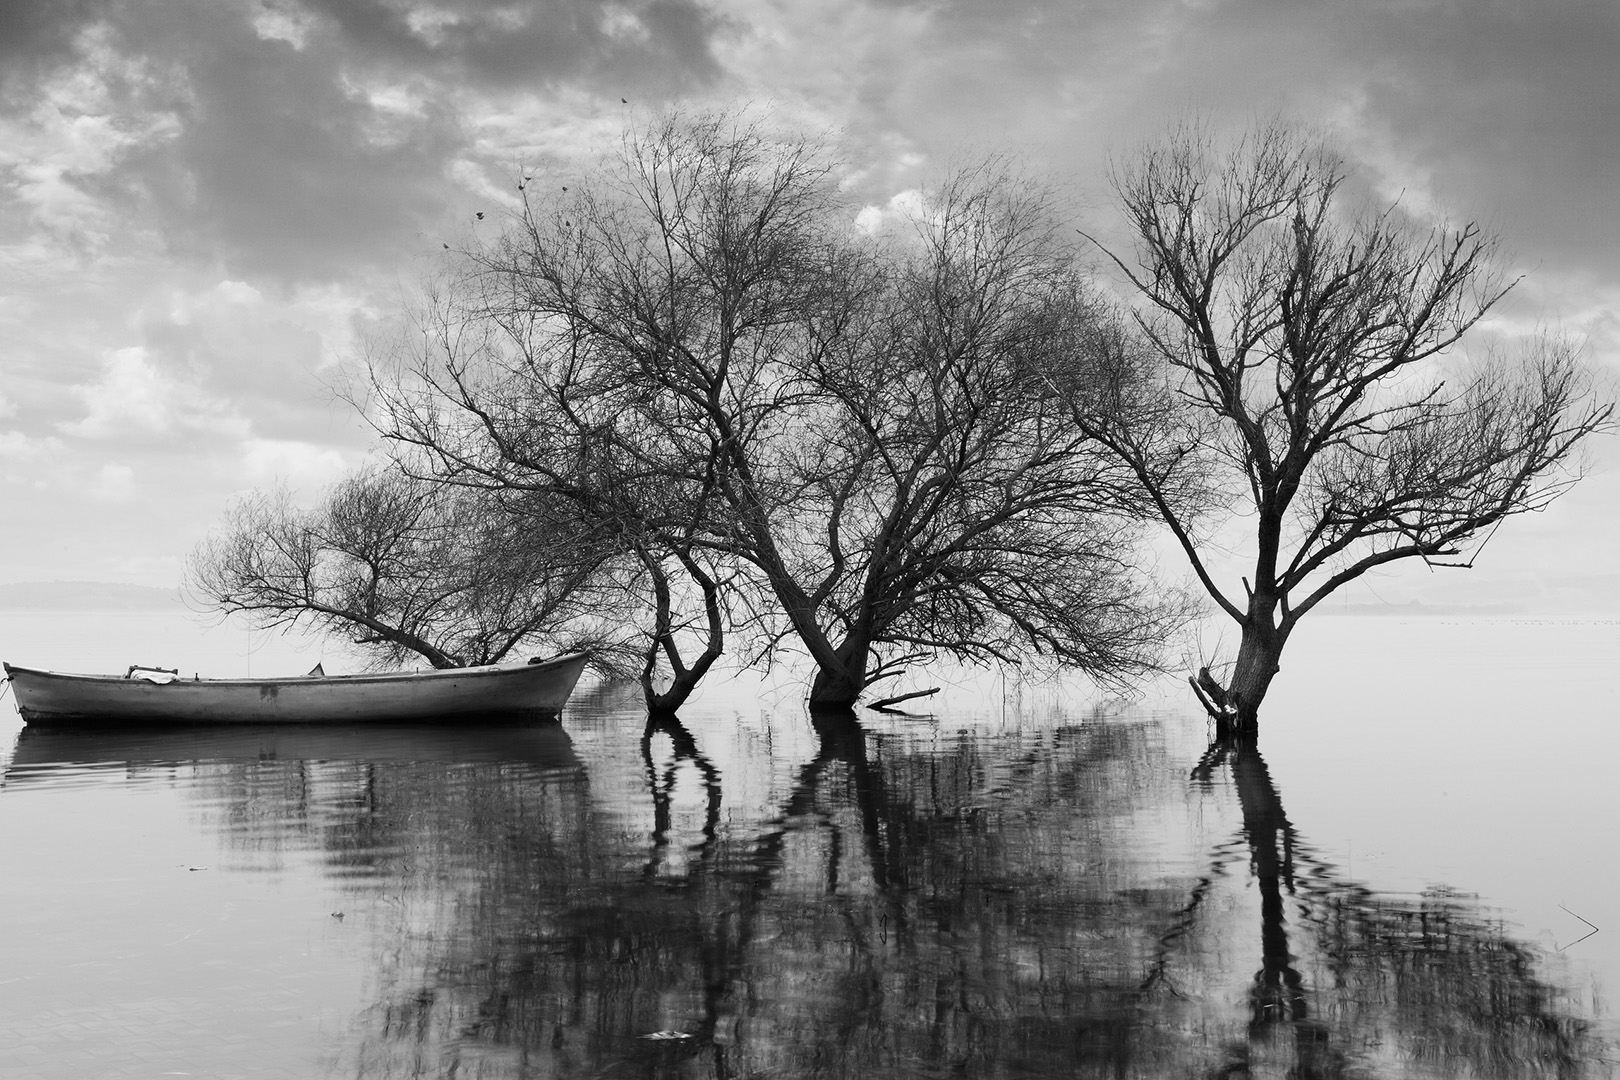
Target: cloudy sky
206, 204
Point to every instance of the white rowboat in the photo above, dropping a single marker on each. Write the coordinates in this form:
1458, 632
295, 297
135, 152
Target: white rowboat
536, 690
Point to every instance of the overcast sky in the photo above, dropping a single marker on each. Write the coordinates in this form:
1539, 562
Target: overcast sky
204, 204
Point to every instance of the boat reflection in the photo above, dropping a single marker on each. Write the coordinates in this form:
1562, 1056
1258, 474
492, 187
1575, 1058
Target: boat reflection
39, 749
903, 903
391, 810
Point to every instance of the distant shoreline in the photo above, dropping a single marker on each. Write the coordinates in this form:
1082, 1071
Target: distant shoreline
108, 596
1418, 607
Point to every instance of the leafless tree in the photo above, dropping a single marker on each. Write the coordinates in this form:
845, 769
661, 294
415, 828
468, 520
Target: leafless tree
852, 434
1308, 351
452, 575
489, 395
952, 508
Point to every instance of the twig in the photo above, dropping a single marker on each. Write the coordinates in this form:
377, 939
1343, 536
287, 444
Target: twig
1583, 937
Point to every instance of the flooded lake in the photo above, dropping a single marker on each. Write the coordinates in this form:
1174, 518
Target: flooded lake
1402, 879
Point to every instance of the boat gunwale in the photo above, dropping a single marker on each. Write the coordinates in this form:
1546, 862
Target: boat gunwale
492, 692
307, 680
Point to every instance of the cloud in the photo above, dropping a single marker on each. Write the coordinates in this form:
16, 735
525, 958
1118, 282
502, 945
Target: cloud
37, 34
910, 205
202, 200
133, 401
300, 465
22, 455
297, 141
71, 132
651, 46
113, 483
261, 354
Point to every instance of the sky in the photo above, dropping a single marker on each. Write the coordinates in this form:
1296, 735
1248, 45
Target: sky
208, 206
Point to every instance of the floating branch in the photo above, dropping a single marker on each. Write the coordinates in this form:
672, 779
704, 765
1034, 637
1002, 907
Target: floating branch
883, 704
1582, 938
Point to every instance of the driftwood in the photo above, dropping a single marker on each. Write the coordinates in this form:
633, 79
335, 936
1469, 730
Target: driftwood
883, 704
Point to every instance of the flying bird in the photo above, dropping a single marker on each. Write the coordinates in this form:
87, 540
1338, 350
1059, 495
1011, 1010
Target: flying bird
480, 215
622, 101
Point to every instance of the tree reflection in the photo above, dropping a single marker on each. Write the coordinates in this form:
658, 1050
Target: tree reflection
1354, 980
899, 902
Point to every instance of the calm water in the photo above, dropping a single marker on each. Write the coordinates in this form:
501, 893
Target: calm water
1023, 884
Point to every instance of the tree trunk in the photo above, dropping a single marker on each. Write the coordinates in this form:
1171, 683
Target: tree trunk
838, 685
663, 706
683, 680
1258, 661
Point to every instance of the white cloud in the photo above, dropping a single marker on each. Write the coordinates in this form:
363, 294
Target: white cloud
430, 24
904, 206
481, 181
625, 25
18, 451
564, 128
113, 483
298, 464
133, 398
264, 354
283, 22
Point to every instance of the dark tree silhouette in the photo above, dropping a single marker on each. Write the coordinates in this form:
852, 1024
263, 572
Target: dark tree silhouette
1301, 352
816, 435
405, 567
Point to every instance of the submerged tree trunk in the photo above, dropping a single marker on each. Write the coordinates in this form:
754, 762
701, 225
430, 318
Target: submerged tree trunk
838, 685
684, 679
1259, 659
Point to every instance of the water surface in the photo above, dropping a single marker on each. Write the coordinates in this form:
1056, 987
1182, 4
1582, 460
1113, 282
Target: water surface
1022, 884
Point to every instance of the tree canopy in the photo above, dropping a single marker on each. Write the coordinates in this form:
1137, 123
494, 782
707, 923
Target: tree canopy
698, 396
699, 345
409, 568
1299, 356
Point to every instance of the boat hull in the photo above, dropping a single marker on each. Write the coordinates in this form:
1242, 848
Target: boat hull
533, 691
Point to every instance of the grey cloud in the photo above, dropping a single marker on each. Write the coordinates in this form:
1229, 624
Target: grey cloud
1512, 109
540, 43
267, 367
1517, 109
279, 169
37, 34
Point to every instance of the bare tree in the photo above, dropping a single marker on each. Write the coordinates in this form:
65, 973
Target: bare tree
411, 568
952, 508
698, 346
1305, 350
490, 396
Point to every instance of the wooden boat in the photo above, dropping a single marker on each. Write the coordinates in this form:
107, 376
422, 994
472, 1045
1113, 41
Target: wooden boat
536, 690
